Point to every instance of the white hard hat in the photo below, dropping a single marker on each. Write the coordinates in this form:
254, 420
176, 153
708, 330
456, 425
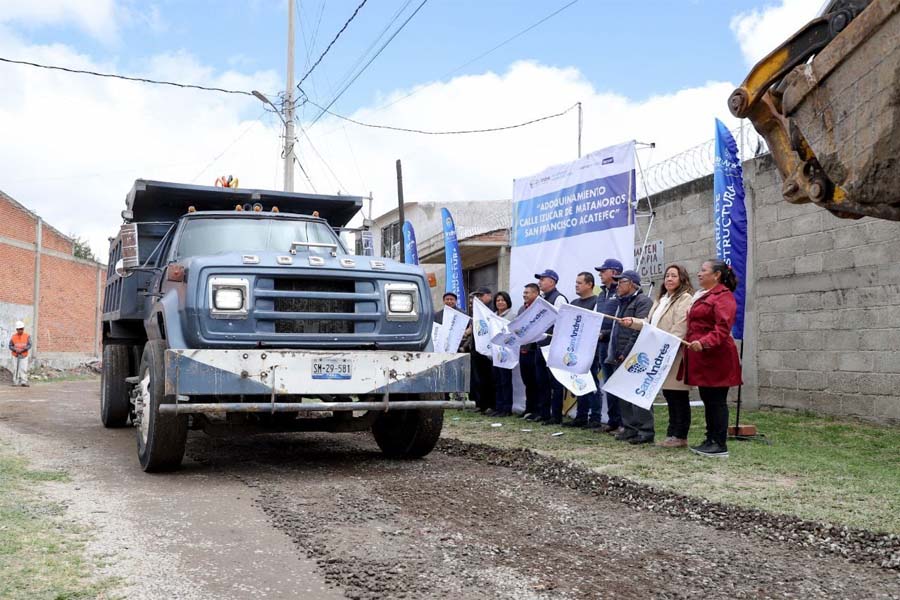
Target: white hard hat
20, 325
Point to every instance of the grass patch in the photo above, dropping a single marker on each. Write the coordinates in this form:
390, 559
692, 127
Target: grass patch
41, 556
816, 468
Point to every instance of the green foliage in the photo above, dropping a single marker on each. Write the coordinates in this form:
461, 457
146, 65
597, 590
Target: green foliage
82, 248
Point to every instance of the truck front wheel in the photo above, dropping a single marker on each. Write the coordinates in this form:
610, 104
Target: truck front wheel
115, 404
161, 438
408, 433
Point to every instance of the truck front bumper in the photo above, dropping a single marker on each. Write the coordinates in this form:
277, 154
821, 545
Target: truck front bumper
261, 376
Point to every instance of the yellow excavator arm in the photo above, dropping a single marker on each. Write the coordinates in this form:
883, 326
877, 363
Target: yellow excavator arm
827, 102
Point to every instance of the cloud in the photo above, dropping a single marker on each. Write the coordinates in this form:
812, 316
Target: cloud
760, 31
80, 142
101, 19
97, 17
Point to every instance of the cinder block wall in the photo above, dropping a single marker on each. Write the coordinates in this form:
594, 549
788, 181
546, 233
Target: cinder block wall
823, 321
68, 316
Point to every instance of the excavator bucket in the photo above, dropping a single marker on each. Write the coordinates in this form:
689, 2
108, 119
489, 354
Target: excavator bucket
833, 123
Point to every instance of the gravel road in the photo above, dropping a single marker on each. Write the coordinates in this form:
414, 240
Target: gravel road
324, 516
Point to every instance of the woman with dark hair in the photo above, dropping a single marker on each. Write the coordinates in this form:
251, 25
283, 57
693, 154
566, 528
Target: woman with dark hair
669, 313
712, 364
503, 377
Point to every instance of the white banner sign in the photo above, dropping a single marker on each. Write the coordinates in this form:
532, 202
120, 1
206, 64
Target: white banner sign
505, 350
641, 376
533, 322
575, 336
451, 331
570, 217
485, 326
577, 383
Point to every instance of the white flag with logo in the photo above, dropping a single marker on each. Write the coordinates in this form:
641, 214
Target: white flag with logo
505, 350
641, 376
485, 326
577, 383
533, 322
575, 336
451, 331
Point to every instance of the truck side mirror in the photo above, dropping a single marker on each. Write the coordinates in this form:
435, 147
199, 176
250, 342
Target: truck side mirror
128, 240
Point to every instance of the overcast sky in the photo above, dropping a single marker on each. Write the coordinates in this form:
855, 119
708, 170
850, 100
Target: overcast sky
659, 70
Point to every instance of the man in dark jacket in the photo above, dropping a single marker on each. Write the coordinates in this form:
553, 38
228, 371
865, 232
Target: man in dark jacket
527, 360
450, 300
551, 391
589, 406
607, 303
482, 374
636, 421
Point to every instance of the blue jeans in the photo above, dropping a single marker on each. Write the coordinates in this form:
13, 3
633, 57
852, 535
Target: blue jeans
612, 402
589, 408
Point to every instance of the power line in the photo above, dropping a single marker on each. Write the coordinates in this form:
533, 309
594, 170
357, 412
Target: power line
458, 132
482, 55
229, 146
126, 78
366, 66
305, 174
331, 43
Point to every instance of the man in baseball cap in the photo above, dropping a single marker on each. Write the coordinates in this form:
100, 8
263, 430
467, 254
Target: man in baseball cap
636, 421
19, 345
550, 398
608, 303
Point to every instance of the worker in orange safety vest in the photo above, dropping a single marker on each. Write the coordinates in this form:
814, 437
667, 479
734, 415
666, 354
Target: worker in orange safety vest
19, 345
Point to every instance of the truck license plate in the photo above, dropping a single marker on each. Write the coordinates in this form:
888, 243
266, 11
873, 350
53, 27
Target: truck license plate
332, 369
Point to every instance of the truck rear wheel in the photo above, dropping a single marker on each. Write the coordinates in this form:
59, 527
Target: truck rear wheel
408, 433
161, 438
115, 405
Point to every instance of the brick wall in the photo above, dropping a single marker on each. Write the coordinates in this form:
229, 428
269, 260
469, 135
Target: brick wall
823, 306
68, 311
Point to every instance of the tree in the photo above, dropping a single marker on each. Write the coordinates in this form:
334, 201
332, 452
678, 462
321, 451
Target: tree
82, 248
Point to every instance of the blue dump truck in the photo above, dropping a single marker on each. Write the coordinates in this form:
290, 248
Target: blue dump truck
240, 311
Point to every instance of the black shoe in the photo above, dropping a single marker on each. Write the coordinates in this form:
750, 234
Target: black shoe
526, 416
636, 440
532, 417
594, 425
551, 421
503, 413
490, 412
575, 423
625, 435
712, 449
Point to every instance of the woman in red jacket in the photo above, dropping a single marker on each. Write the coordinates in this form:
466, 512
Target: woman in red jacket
713, 365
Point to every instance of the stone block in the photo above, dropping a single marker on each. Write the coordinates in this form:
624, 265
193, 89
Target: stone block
810, 263
796, 399
838, 260
846, 383
808, 223
769, 396
887, 362
812, 380
887, 408
780, 267
810, 301
784, 379
827, 403
778, 340
874, 254
858, 406
856, 361
817, 242
879, 339
769, 359
777, 304
786, 210
849, 235
774, 231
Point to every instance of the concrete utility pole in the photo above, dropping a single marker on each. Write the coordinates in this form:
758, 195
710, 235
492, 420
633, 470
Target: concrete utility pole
400, 215
289, 105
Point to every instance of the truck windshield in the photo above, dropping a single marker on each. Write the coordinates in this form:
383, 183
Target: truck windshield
201, 237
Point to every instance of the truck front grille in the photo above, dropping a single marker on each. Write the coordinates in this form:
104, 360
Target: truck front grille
314, 305
329, 326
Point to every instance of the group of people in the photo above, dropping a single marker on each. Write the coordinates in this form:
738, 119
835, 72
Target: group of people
709, 361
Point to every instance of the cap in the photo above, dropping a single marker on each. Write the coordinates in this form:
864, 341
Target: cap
610, 263
20, 325
632, 276
547, 273
483, 290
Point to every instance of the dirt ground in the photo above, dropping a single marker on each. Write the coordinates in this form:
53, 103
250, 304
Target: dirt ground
324, 516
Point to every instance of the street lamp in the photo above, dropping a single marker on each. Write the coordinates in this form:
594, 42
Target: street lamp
288, 152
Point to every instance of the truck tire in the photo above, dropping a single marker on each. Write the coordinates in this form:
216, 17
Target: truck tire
408, 433
160, 438
115, 404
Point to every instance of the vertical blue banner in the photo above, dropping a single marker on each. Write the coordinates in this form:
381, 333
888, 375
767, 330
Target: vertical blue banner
453, 261
730, 216
410, 251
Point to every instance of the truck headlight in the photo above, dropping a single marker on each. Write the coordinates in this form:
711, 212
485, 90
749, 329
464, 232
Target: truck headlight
402, 301
229, 297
